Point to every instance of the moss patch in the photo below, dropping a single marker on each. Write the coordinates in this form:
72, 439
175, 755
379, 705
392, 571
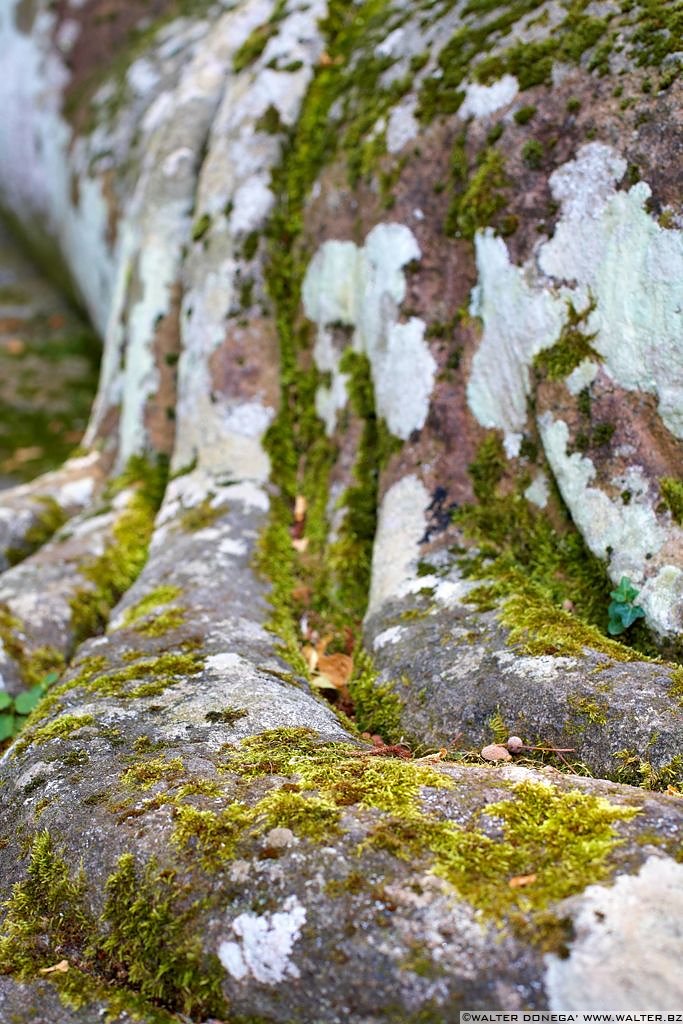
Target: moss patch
563, 840
536, 570
140, 953
48, 520
570, 350
116, 569
672, 496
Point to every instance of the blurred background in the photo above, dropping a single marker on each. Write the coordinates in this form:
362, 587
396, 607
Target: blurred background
49, 362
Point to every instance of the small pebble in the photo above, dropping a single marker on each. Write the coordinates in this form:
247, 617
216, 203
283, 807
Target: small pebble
514, 744
495, 752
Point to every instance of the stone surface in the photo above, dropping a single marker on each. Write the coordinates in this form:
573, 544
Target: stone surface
357, 268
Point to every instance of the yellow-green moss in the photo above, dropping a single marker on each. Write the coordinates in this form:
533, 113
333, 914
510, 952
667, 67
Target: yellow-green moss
571, 348
146, 774
564, 839
538, 627
150, 602
635, 770
339, 774
377, 707
117, 568
46, 523
141, 953
672, 496
166, 670
594, 710
535, 570
201, 516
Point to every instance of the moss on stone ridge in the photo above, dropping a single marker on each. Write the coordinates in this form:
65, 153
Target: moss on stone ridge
119, 565
140, 954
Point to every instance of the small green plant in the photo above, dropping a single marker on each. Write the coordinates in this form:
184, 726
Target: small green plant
14, 710
622, 611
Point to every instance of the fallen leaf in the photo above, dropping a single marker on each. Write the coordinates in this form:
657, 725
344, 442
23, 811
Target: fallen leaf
310, 657
323, 682
62, 967
496, 752
520, 880
337, 667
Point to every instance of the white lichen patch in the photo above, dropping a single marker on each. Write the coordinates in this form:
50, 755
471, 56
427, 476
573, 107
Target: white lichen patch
262, 946
234, 193
609, 244
626, 535
400, 526
388, 636
582, 377
538, 491
610, 258
362, 288
606, 247
637, 920
483, 100
402, 125
519, 319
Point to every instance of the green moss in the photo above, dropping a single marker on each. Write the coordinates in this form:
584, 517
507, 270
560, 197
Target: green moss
349, 559
226, 716
488, 467
48, 520
563, 839
538, 627
535, 569
524, 114
252, 48
146, 774
214, 836
672, 495
676, 688
116, 569
168, 669
141, 953
377, 707
269, 121
634, 770
200, 227
203, 515
478, 50
572, 347
532, 154
340, 772
150, 602
145, 617
595, 711
49, 902
483, 197
62, 727
149, 935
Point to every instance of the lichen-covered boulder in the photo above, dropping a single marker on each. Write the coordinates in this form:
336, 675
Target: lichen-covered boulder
389, 410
